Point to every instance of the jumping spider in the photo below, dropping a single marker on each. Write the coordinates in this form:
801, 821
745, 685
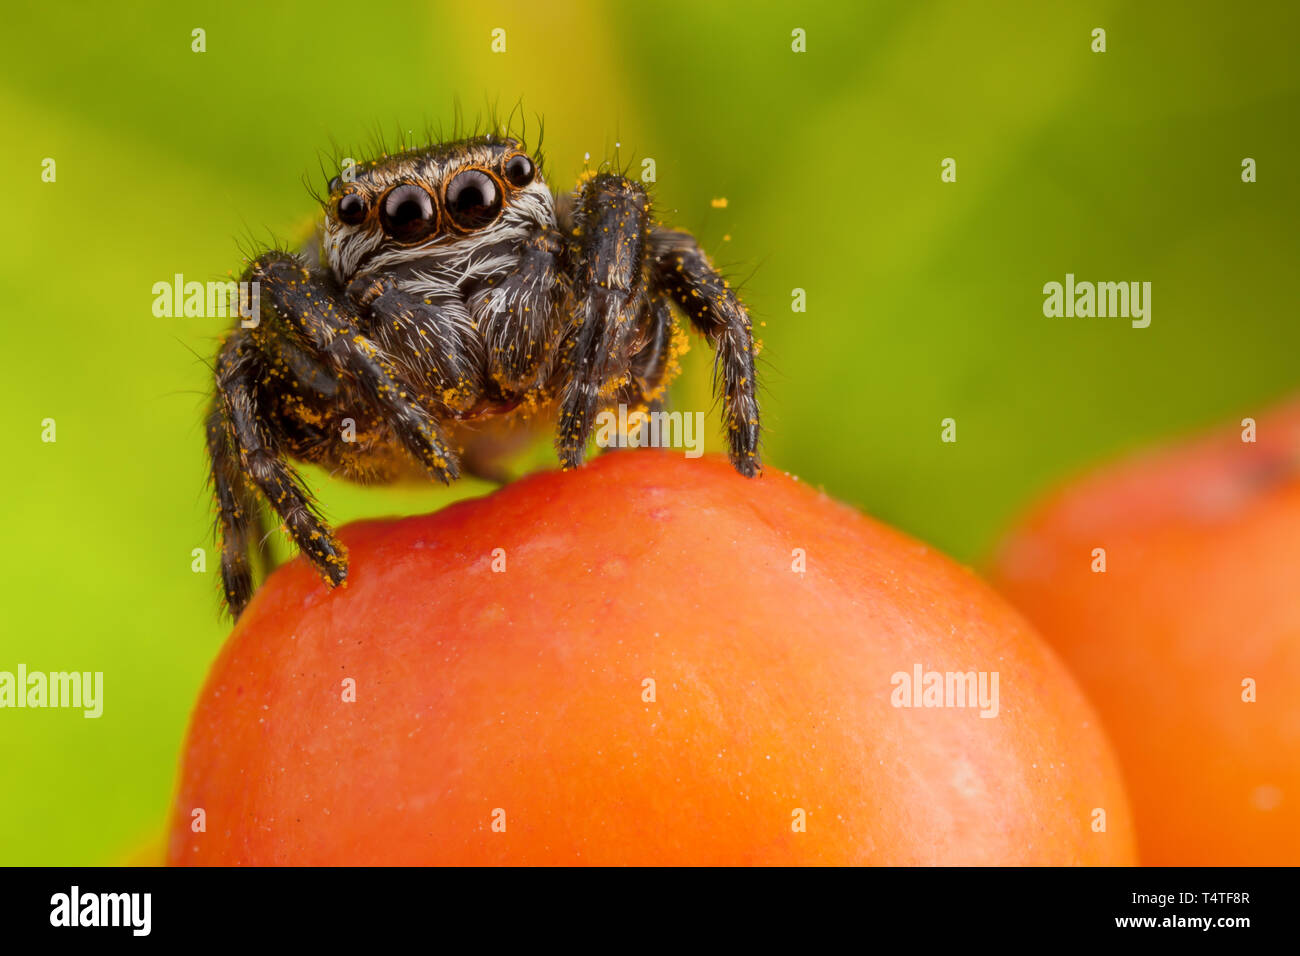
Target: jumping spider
452, 288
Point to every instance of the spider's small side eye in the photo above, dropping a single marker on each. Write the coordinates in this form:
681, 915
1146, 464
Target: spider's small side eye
408, 214
473, 199
519, 170
352, 208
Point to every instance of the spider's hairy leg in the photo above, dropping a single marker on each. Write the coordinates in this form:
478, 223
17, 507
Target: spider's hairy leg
684, 272
239, 369
515, 311
612, 217
308, 307
239, 524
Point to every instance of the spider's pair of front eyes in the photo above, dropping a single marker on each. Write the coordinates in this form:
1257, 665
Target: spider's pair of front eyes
408, 212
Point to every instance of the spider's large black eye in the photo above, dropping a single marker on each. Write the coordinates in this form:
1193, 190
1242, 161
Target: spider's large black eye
352, 208
408, 214
519, 170
473, 199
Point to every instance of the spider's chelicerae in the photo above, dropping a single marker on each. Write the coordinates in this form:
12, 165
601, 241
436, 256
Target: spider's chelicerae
453, 293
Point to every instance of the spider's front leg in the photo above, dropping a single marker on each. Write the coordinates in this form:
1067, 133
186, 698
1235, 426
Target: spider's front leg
612, 222
307, 337
322, 321
682, 270
239, 519
241, 442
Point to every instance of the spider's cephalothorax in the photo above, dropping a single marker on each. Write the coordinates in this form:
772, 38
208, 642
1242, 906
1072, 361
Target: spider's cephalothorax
453, 288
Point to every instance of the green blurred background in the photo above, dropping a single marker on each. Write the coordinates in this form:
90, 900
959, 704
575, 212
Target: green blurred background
924, 298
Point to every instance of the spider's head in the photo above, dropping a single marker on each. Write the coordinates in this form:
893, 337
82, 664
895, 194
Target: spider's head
432, 205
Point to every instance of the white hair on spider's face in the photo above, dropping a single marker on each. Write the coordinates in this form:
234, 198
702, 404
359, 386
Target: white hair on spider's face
440, 219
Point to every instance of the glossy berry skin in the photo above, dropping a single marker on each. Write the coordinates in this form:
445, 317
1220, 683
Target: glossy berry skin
1189, 642
501, 651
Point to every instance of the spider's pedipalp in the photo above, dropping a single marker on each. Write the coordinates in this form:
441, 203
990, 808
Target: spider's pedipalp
429, 339
515, 312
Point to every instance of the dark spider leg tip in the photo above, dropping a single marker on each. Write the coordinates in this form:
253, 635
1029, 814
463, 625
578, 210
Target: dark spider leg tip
331, 560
